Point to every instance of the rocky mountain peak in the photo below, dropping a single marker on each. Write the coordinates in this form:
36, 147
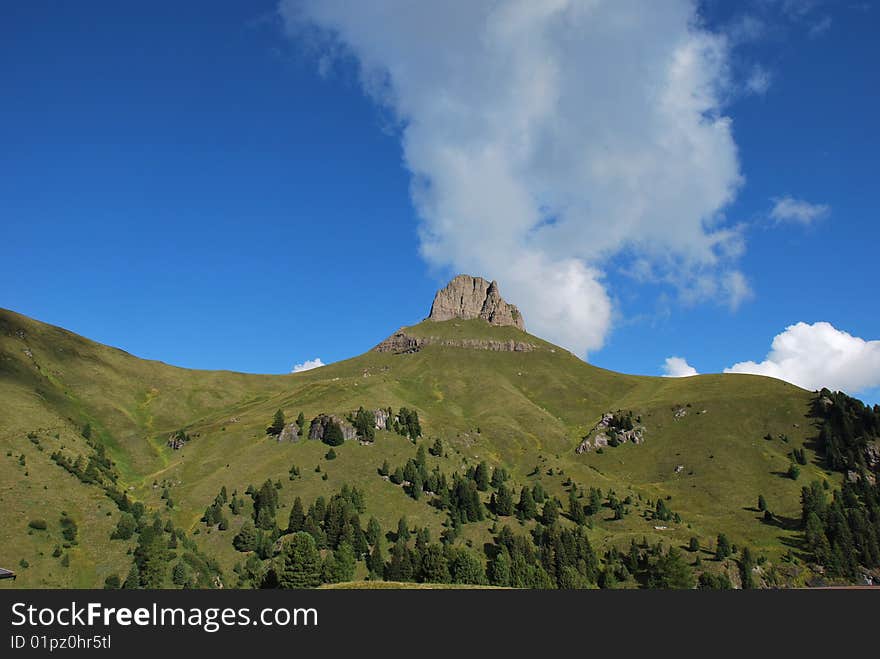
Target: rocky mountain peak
474, 297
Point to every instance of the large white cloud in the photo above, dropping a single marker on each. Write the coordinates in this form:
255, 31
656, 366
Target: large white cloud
551, 140
819, 355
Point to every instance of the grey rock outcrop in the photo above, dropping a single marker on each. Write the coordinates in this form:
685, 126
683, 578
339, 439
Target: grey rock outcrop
605, 434
290, 433
322, 422
382, 418
474, 297
401, 343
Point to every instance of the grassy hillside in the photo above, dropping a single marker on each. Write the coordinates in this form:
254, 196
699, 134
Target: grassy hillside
523, 411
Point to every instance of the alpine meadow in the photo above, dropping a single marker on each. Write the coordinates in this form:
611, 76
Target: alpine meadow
461, 451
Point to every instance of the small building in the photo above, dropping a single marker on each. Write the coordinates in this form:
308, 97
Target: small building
6, 574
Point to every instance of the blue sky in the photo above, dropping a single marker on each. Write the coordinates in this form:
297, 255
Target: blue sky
248, 186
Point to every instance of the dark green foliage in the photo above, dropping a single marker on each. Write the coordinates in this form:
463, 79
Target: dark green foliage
151, 558
517, 561
526, 506
433, 567
112, 582
333, 435
340, 565
481, 476
179, 574
437, 448
503, 501
848, 426
297, 517
125, 527
465, 567
408, 423
38, 524
277, 424
550, 513
265, 506
722, 547
365, 425
710, 581
576, 508
330, 455
793, 471
670, 570
595, 504
762, 503
300, 563
694, 544
842, 534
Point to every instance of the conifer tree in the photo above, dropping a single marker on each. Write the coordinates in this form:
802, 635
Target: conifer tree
300, 564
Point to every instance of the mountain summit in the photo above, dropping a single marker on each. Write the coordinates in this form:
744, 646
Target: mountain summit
474, 297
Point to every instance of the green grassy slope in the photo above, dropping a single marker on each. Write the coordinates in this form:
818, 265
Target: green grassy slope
517, 410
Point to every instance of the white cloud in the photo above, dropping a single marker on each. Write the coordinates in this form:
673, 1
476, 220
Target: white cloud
819, 355
758, 81
677, 367
544, 148
789, 209
307, 365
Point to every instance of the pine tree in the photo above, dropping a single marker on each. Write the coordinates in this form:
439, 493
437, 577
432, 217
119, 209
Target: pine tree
133, 580
575, 509
526, 506
433, 568
277, 424
550, 514
300, 564
504, 501
343, 564
297, 517
333, 435
762, 503
722, 547
481, 476
374, 532
499, 569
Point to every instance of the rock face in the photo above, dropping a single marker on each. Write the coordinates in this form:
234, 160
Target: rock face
290, 433
401, 343
382, 418
321, 422
474, 297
